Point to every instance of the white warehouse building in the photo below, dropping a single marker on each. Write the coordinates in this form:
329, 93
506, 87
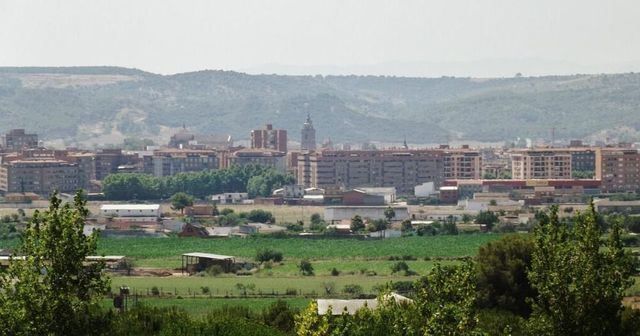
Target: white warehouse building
130, 210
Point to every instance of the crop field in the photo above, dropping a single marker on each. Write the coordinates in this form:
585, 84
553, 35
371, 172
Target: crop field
165, 252
174, 286
204, 305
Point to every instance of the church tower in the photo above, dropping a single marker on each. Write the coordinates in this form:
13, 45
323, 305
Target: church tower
308, 136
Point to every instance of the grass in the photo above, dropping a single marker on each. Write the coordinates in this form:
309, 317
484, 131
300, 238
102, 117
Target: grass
226, 286
165, 252
204, 305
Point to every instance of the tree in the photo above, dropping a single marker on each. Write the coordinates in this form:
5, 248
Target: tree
377, 225
501, 269
487, 218
449, 226
305, 267
446, 298
261, 216
580, 280
406, 226
357, 224
316, 218
389, 213
53, 291
181, 200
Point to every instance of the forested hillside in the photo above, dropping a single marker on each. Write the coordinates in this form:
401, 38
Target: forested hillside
108, 103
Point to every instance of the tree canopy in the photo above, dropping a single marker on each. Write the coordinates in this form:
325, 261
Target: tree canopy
52, 290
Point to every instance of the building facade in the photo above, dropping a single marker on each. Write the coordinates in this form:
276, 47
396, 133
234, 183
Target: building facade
18, 139
39, 176
308, 136
269, 138
169, 162
540, 164
266, 158
618, 169
402, 169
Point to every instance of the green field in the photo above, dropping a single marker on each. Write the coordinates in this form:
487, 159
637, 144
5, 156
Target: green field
165, 252
226, 286
203, 305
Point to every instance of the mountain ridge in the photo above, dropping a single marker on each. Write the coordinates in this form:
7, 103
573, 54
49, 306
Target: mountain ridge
85, 103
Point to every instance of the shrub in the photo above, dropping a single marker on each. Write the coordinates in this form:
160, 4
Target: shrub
399, 267
265, 255
155, 291
205, 290
214, 270
261, 216
353, 289
305, 267
335, 272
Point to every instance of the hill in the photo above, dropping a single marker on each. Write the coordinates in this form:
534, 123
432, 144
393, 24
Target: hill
92, 105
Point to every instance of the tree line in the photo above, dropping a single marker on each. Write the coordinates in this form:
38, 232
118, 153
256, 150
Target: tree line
256, 180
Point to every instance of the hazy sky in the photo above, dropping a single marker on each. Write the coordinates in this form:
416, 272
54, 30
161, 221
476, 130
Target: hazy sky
421, 38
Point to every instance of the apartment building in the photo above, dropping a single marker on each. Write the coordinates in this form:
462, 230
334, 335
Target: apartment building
402, 169
107, 161
260, 157
461, 164
618, 169
269, 138
169, 162
540, 164
39, 176
18, 139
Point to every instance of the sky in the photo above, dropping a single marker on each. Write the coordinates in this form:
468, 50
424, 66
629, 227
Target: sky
478, 38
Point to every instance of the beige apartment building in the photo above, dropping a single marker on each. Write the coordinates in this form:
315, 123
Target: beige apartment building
400, 168
618, 169
529, 164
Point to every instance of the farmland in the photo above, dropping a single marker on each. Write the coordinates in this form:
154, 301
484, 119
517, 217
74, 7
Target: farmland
165, 252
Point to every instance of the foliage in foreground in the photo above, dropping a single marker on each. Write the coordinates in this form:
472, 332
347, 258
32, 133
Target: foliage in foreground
444, 305
53, 290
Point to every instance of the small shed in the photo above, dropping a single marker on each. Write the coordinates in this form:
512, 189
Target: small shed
197, 261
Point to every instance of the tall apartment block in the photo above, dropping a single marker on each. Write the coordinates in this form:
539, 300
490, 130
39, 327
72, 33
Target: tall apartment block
540, 164
269, 138
18, 139
403, 169
618, 169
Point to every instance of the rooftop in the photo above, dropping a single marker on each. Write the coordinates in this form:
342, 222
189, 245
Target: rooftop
130, 207
207, 255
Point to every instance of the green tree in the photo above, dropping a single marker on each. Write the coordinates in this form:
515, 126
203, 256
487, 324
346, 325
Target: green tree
181, 200
487, 218
305, 267
357, 224
501, 269
580, 279
446, 298
53, 291
389, 213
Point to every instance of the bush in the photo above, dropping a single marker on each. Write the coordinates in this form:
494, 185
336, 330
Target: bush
335, 272
261, 216
352, 289
155, 291
305, 267
297, 227
399, 267
280, 315
205, 290
214, 270
265, 255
